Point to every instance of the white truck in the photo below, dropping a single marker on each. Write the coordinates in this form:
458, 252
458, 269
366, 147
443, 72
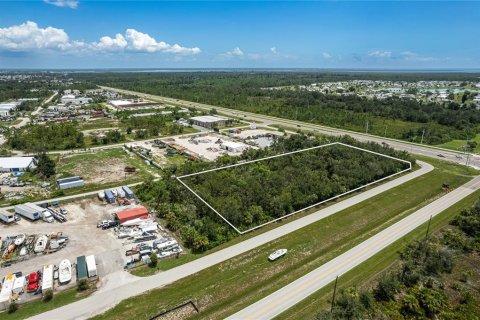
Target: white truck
47, 216
7, 217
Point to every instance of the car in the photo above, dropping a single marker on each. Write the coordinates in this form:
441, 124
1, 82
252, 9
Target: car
17, 218
109, 225
458, 156
298, 125
103, 223
33, 281
440, 155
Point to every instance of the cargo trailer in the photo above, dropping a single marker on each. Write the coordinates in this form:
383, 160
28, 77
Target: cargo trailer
29, 210
6, 291
128, 193
7, 217
109, 196
47, 278
91, 266
81, 268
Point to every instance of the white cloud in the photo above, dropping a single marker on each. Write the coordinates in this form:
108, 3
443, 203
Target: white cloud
380, 54
143, 42
326, 55
72, 4
273, 50
412, 56
236, 52
29, 37
112, 44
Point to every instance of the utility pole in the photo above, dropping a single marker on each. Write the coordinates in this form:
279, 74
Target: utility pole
385, 134
428, 228
334, 294
366, 129
423, 134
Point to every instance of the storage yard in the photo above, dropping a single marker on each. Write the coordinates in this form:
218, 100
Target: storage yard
206, 146
99, 236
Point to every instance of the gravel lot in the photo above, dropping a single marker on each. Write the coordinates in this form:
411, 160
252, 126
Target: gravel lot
84, 239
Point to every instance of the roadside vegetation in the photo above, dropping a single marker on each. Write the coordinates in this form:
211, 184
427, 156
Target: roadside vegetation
232, 285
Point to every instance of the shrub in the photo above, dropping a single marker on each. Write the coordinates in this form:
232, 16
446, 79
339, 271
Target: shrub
48, 295
12, 307
82, 285
153, 260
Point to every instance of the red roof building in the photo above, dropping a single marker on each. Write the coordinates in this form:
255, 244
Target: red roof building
130, 214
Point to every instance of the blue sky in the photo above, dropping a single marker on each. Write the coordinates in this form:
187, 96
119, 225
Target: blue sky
202, 34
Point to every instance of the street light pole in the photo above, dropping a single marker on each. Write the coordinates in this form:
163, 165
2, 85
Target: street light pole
423, 134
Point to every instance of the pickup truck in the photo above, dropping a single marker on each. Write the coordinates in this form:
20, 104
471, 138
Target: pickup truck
47, 216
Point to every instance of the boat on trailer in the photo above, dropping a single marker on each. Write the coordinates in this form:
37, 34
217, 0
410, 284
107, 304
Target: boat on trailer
41, 244
20, 239
65, 271
277, 254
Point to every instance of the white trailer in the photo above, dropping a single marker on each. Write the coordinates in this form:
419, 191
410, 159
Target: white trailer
91, 266
18, 285
7, 217
172, 244
29, 210
47, 277
6, 292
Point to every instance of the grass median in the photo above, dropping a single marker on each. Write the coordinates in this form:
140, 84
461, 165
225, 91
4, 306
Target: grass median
370, 270
232, 285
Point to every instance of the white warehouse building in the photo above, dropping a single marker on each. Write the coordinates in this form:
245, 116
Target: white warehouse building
16, 164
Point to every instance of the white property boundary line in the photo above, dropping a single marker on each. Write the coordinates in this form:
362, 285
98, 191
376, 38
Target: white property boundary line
285, 154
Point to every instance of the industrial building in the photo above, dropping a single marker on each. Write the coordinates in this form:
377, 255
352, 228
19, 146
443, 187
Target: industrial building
71, 182
16, 164
70, 98
6, 108
130, 214
209, 121
233, 146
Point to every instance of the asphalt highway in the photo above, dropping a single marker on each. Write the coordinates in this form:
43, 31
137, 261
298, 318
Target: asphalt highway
415, 148
104, 299
286, 297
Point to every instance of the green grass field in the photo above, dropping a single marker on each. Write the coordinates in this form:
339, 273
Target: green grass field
459, 145
365, 274
232, 285
30, 309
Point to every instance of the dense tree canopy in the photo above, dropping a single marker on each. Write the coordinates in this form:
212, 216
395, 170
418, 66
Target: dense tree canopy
52, 136
394, 117
288, 186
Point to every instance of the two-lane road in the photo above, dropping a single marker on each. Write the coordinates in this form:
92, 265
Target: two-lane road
286, 297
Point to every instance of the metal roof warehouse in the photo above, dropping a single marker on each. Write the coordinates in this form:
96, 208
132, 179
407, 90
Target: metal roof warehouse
13, 164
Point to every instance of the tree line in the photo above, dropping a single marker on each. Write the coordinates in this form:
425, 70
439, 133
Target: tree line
394, 117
